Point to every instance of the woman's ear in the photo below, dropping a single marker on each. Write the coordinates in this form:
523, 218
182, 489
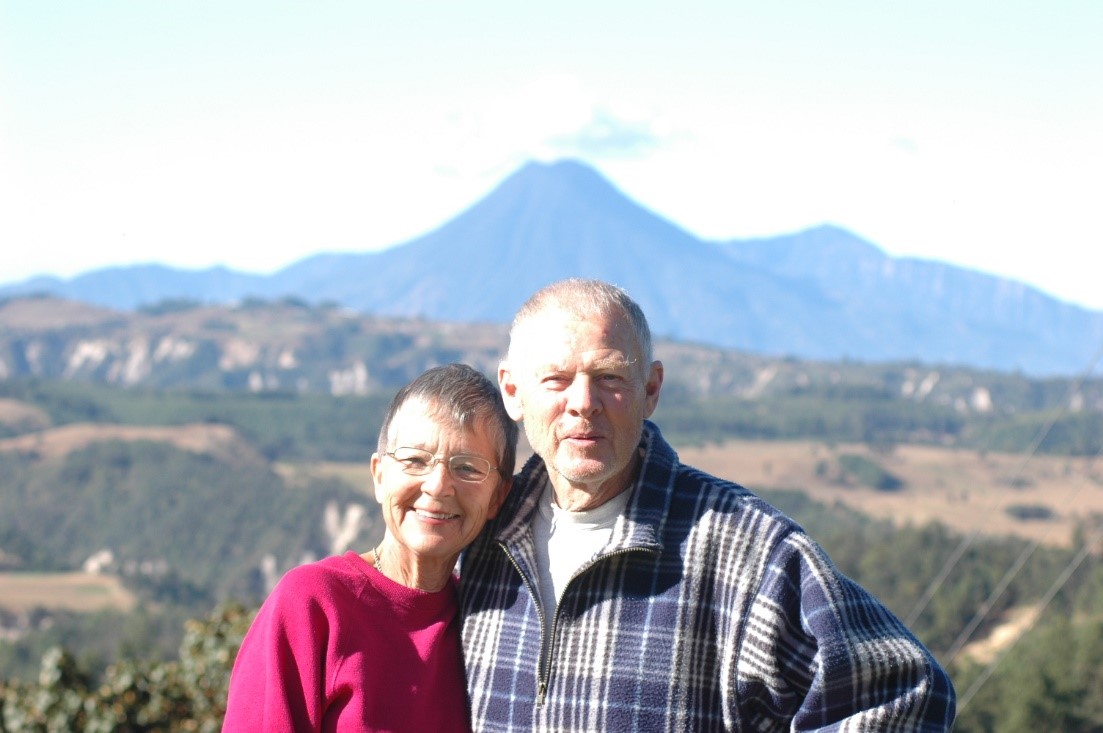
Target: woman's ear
499, 498
377, 476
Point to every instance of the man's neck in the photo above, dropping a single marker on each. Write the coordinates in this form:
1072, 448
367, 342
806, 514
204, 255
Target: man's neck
579, 497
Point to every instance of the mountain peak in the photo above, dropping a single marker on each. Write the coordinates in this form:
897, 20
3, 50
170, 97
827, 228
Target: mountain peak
563, 169
822, 293
562, 181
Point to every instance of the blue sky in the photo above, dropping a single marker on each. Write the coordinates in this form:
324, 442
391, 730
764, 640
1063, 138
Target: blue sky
253, 134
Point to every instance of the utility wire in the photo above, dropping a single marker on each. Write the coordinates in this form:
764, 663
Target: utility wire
1054, 589
997, 592
982, 612
967, 541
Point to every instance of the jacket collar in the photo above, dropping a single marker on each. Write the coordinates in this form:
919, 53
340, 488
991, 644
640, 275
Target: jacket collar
641, 526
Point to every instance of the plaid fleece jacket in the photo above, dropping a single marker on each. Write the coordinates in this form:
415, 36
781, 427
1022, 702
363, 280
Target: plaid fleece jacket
708, 611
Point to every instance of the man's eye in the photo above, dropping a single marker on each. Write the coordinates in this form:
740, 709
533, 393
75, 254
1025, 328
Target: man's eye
415, 462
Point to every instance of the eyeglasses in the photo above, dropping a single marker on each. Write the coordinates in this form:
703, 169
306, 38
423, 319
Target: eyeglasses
417, 462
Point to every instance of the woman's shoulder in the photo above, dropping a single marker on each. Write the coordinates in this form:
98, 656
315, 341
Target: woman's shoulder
336, 574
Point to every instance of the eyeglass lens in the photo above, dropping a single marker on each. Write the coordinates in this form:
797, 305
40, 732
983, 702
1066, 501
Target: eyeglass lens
418, 462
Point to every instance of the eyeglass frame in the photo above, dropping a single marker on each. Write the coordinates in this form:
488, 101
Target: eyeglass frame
433, 460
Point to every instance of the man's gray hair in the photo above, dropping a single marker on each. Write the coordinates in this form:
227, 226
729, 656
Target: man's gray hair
589, 299
462, 396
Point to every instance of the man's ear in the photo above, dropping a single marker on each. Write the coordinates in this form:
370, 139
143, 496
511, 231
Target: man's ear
652, 387
499, 497
377, 476
510, 395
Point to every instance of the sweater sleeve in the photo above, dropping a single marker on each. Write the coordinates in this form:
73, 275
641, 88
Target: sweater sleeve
840, 659
278, 679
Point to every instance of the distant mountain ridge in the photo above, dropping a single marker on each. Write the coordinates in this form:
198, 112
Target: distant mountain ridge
819, 294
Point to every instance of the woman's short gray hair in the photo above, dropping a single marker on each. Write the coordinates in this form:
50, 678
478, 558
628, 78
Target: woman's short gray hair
463, 396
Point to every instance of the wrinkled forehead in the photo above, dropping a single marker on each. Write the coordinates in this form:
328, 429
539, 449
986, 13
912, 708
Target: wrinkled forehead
433, 420
556, 338
600, 360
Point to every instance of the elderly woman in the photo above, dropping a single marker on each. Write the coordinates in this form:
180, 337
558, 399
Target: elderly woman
370, 642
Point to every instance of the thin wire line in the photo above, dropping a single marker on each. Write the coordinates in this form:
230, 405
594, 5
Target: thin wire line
1054, 589
987, 606
967, 541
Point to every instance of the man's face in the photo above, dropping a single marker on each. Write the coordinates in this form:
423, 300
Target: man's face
583, 394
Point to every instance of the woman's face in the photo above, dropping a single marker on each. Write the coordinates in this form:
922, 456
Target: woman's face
436, 515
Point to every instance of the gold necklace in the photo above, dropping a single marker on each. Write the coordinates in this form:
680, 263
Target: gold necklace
378, 553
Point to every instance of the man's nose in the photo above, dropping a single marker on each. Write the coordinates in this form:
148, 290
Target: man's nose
582, 398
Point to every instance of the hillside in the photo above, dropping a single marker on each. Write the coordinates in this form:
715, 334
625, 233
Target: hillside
186, 514
253, 346
1043, 499
80, 591
218, 441
287, 346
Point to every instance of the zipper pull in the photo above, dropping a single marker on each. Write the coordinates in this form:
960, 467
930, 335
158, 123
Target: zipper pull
541, 692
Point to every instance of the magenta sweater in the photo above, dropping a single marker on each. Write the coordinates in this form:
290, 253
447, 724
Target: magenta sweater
337, 646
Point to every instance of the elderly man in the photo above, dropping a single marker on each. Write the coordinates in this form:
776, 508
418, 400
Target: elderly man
620, 590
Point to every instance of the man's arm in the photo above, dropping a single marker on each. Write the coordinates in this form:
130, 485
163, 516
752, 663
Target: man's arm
834, 657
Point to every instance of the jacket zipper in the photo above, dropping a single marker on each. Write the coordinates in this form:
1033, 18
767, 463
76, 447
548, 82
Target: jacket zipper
541, 678
543, 667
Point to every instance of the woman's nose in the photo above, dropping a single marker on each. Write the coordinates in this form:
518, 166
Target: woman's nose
439, 480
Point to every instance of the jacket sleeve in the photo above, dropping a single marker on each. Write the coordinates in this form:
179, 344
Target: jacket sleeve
826, 652
277, 682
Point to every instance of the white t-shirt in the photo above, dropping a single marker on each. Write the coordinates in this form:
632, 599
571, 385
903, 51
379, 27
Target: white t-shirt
565, 541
